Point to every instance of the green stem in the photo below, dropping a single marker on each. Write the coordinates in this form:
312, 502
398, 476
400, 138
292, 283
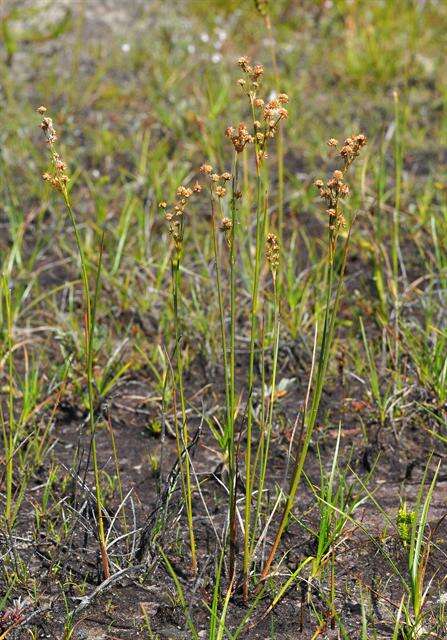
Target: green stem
280, 137
250, 385
9, 432
184, 430
267, 432
89, 324
396, 222
232, 383
309, 419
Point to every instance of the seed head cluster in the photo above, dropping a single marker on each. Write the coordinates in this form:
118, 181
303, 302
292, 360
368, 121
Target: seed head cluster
351, 148
218, 190
175, 214
239, 137
268, 114
335, 189
58, 178
226, 224
217, 180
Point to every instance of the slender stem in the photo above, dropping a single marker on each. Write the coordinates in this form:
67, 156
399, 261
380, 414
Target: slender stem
228, 369
253, 332
89, 324
221, 309
309, 419
280, 136
267, 432
109, 425
396, 215
9, 433
232, 382
184, 430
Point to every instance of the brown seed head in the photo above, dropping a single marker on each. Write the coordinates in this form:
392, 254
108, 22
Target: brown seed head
244, 63
240, 137
184, 192
226, 224
257, 72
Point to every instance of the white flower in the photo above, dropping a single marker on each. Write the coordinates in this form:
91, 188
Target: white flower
443, 598
125, 48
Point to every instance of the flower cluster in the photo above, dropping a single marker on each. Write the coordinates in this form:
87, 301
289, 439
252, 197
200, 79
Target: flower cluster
351, 147
274, 109
270, 113
59, 178
219, 190
239, 137
226, 224
175, 215
254, 72
335, 188
47, 126
272, 251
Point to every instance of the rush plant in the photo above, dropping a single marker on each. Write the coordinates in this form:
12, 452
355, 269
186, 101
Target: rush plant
248, 416
339, 234
58, 179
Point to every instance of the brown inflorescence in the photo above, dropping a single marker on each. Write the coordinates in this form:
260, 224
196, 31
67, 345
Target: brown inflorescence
336, 189
226, 224
239, 137
58, 178
175, 214
270, 112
